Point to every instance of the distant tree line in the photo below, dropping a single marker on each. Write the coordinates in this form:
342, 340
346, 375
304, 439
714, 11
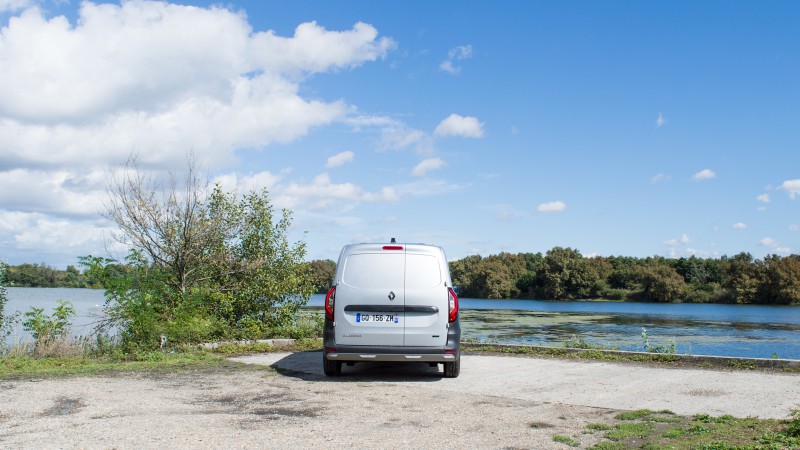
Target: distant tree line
560, 274
565, 274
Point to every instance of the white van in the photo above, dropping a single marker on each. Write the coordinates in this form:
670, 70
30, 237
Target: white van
392, 302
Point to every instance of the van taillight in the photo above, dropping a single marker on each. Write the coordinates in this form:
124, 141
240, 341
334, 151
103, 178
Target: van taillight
329, 299
452, 300
392, 247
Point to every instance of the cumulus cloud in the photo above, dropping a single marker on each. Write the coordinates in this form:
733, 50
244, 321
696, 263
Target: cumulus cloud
456, 125
163, 78
703, 175
322, 192
552, 207
14, 5
791, 187
340, 159
455, 54
158, 79
426, 166
763, 198
794, 227
740, 225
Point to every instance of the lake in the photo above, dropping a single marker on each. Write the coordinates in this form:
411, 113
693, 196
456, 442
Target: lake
756, 331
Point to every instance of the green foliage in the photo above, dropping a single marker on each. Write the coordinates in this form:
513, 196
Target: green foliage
670, 349
202, 268
560, 438
564, 274
46, 328
320, 274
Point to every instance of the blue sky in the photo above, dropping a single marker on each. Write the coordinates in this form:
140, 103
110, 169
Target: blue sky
617, 128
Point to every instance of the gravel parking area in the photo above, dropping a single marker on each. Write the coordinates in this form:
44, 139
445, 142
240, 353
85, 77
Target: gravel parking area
497, 402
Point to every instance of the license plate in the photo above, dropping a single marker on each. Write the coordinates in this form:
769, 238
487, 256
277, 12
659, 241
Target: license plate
378, 318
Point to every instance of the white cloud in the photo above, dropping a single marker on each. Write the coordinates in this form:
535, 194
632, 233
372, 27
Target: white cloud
399, 137
763, 198
768, 242
321, 192
682, 240
456, 125
705, 174
660, 121
659, 178
163, 78
254, 182
740, 225
791, 187
427, 165
158, 79
794, 227
339, 159
15, 5
455, 54
556, 206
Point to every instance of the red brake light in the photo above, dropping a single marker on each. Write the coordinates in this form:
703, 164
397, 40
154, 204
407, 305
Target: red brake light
452, 300
392, 247
329, 299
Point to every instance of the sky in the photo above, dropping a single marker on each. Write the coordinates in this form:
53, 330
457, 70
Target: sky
634, 128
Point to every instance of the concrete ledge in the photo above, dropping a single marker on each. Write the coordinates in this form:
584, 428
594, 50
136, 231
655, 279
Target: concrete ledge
271, 342
699, 360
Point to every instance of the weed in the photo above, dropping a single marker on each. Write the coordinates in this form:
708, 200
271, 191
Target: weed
633, 415
629, 430
674, 433
566, 440
598, 426
670, 349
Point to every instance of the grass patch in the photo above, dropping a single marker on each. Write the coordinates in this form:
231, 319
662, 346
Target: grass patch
647, 429
566, 440
22, 366
624, 431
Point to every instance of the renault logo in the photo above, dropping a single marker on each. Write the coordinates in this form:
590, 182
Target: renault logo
391, 295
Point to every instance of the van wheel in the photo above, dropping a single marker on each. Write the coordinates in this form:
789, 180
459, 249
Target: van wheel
331, 368
452, 369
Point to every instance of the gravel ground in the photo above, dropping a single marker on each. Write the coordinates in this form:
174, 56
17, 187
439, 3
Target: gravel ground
493, 404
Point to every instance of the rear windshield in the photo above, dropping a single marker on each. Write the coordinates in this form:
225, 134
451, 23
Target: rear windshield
374, 270
422, 272
391, 270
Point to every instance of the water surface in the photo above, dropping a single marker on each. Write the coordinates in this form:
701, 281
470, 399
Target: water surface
757, 331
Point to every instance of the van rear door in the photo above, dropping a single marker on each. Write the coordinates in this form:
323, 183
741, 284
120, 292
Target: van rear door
370, 297
426, 300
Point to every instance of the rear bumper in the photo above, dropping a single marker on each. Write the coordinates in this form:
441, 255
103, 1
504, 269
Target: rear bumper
406, 356
449, 353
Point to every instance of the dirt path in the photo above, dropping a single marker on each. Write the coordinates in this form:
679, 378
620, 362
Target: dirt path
492, 404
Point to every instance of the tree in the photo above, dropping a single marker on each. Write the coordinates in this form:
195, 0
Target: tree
566, 274
202, 264
321, 273
782, 279
464, 272
661, 283
742, 279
